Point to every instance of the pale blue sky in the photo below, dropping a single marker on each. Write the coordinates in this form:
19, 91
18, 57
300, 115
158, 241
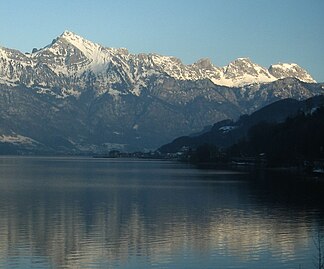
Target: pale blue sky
267, 32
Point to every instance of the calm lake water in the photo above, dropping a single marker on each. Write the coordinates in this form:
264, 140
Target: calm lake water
101, 213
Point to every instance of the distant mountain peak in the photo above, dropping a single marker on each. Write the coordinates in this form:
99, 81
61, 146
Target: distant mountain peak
243, 71
85, 46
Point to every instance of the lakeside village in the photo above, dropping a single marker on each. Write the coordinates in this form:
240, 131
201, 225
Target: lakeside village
207, 154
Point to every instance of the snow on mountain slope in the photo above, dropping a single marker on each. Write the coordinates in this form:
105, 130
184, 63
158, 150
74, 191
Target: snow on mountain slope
73, 63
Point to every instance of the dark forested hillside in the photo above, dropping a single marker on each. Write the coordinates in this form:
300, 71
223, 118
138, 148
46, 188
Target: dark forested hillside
297, 139
286, 132
226, 133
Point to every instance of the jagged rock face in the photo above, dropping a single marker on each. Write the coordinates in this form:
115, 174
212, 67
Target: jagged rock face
76, 96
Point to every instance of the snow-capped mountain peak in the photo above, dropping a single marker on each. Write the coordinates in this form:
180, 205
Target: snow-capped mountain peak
243, 71
71, 54
88, 48
241, 67
283, 70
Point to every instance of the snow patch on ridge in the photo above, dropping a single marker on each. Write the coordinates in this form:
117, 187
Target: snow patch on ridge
17, 139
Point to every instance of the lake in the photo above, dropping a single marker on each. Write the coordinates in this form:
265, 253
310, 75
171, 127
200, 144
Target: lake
119, 213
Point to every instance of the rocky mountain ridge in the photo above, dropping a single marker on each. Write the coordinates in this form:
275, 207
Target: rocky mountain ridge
72, 61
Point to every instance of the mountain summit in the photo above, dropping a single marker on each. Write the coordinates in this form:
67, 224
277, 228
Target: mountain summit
75, 96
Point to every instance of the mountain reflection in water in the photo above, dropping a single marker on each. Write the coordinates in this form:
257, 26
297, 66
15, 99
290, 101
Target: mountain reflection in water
81, 213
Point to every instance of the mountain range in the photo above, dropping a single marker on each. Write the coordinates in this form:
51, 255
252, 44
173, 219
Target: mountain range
77, 97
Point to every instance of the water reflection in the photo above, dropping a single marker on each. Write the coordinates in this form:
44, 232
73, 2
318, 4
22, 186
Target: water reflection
98, 214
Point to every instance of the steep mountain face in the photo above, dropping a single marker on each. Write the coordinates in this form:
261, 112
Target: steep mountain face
75, 96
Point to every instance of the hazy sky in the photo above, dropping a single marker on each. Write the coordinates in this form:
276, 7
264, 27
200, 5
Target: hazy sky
267, 32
